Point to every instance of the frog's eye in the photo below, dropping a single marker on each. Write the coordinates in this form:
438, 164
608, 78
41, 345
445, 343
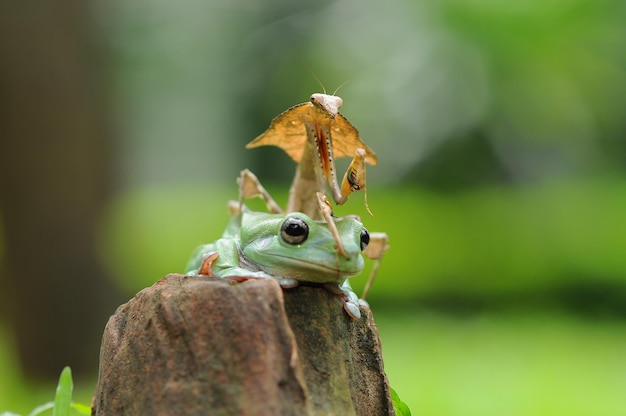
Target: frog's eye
365, 239
294, 230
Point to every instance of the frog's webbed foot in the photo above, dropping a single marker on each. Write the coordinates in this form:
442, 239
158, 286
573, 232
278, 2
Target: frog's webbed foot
241, 275
350, 299
351, 305
286, 282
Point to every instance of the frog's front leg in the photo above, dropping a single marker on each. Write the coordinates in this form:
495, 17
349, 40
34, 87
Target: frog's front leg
224, 260
247, 271
220, 259
241, 275
210, 267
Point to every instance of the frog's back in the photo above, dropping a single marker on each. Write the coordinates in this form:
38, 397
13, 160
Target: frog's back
231, 233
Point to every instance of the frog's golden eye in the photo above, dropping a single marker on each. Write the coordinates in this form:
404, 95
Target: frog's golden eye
294, 230
365, 239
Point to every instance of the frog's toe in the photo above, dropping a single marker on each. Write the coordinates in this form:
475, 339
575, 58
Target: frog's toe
241, 275
260, 275
352, 309
364, 303
351, 302
349, 298
287, 282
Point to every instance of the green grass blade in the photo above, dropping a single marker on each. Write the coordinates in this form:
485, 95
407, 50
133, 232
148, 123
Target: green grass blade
41, 408
63, 398
81, 408
401, 408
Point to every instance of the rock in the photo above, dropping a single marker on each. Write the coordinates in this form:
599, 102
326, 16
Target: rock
196, 345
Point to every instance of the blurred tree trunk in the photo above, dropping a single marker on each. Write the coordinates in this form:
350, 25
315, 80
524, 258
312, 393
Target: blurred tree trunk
54, 156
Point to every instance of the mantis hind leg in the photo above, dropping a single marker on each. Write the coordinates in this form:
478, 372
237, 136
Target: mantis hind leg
250, 187
374, 251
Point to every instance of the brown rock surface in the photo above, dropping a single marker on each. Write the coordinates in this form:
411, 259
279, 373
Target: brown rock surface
199, 345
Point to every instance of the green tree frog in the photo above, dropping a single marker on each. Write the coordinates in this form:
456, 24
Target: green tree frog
290, 248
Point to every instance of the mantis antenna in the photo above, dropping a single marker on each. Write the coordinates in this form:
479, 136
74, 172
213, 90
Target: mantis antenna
319, 82
324, 88
341, 85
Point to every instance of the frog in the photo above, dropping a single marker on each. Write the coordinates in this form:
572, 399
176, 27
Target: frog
251, 187
290, 248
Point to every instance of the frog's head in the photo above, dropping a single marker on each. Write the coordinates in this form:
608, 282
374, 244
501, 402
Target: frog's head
298, 247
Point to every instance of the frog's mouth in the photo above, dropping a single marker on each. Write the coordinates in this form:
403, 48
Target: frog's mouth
300, 268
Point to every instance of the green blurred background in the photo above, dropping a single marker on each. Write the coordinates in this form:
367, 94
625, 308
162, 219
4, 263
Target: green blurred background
500, 129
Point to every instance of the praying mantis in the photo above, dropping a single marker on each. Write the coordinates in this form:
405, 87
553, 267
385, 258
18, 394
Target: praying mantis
314, 134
